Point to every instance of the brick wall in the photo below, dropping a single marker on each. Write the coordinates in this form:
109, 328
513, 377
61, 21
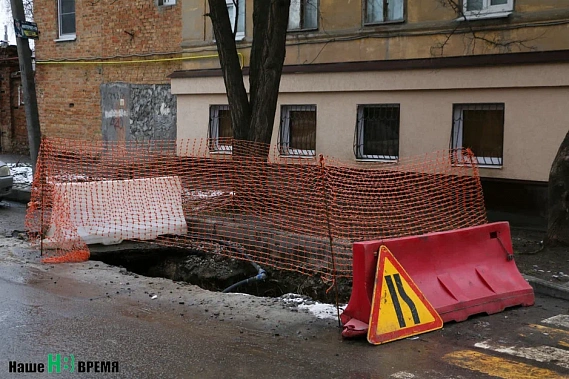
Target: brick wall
13, 132
69, 98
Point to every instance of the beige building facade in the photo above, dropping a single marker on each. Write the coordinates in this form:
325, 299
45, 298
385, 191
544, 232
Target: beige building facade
371, 81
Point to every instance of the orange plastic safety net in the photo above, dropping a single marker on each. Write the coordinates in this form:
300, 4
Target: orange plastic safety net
288, 213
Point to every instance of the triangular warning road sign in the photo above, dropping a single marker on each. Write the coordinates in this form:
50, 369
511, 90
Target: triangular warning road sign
399, 309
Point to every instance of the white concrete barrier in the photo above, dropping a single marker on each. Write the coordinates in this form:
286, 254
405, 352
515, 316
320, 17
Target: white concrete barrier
111, 211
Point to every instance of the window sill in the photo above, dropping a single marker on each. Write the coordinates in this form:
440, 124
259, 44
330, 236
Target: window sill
302, 30
494, 167
65, 39
376, 160
380, 23
221, 152
297, 156
239, 37
484, 16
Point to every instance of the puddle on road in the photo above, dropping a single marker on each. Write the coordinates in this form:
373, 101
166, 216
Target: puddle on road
216, 273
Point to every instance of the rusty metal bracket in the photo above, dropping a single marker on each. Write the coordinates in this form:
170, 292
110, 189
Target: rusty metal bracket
509, 256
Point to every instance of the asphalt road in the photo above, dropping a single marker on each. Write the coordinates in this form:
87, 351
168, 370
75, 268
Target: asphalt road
12, 217
155, 328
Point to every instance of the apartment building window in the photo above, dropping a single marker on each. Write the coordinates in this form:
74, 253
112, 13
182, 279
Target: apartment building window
487, 8
66, 19
377, 132
220, 130
303, 15
377, 11
297, 134
480, 127
236, 9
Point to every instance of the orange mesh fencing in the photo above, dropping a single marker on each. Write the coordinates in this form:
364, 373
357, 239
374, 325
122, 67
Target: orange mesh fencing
288, 213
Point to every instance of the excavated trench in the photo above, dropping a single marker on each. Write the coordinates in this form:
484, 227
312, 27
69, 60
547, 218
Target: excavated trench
216, 273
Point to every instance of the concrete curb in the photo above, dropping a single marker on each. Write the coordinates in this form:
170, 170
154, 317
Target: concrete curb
19, 195
543, 287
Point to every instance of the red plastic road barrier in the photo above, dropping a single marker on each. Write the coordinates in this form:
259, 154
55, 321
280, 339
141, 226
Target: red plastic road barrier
461, 272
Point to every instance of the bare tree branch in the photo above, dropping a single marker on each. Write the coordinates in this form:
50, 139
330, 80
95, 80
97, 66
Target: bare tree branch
472, 35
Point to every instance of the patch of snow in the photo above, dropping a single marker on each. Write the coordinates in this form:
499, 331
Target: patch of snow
320, 310
22, 173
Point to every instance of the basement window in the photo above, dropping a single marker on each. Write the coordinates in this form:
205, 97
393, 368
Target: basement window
220, 130
475, 9
303, 15
297, 134
165, 3
479, 127
377, 132
66, 19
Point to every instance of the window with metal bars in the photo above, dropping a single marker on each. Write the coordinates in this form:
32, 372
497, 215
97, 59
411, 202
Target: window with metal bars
303, 15
480, 127
377, 132
297, 134
220, 129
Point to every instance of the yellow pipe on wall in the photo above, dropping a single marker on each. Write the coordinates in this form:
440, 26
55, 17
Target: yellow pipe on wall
241, 60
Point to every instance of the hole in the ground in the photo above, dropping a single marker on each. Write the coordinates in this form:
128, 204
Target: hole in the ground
216, 273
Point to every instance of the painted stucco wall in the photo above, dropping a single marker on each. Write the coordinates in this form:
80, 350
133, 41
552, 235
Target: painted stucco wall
534, 25
535, 98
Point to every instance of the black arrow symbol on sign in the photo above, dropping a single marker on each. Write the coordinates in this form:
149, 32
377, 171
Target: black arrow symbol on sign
404, 296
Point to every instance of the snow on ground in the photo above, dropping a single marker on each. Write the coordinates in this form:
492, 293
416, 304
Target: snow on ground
320, 310
22, 173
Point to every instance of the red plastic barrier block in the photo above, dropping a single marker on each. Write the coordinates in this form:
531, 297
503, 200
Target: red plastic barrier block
461, 272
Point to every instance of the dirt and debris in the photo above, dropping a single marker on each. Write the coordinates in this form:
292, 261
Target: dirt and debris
216, 272
535, 259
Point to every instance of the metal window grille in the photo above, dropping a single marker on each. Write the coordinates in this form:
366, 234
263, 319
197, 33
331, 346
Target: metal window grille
479, 127
66, 17
383, 10
303, 15
297, 134
377, 132
220, 130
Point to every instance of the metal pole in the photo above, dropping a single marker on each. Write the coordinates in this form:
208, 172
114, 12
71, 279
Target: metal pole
29, 86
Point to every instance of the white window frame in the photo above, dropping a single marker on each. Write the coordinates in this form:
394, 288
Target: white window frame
66, 36
166, 3
284, 131
213, 126
383, 20
458, 142
360, 135
240, 34
295, 13
488, 10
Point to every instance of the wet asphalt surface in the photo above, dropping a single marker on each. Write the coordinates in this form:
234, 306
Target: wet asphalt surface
101, 313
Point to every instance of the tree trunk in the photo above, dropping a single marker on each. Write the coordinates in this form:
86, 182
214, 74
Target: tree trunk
253, 120
270, 22
231, 68
558, 194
